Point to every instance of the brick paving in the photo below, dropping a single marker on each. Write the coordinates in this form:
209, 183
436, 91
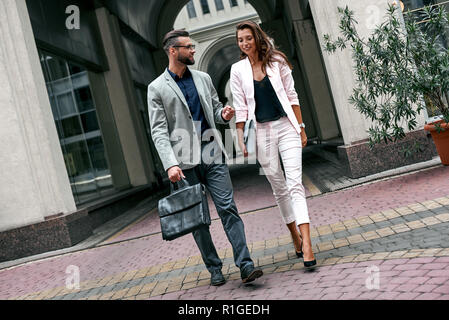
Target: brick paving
394, 230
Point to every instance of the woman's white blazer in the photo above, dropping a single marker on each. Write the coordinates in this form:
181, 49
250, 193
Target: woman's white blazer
242, 88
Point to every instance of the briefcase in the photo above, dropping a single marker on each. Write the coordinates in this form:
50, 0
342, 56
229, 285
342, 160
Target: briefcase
184, 210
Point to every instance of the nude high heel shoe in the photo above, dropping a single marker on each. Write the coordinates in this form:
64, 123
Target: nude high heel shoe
307, 264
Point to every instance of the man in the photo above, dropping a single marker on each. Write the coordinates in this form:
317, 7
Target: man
183, 107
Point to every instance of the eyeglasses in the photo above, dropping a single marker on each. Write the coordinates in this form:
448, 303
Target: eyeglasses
189, 47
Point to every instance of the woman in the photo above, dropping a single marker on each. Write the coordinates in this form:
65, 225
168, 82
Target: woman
263, 89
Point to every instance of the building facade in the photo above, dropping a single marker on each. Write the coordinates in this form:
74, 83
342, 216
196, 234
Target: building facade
211, 25
76, 146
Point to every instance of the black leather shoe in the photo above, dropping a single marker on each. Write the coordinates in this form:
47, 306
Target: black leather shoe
216, 278
250, 274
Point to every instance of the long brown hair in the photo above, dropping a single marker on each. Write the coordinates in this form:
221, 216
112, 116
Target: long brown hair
268, 53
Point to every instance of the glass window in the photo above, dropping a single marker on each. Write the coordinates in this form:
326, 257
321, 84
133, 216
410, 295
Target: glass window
78, 154
57, 69
89, 121
415, 4
412, 11
96, 151
78, 129
84, 99
191, 9
204, 6
66, 105
74, 69
71, 127
219, 5
414, 7
233, 3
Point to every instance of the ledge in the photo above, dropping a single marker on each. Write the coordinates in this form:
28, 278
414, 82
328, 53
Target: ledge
359, 160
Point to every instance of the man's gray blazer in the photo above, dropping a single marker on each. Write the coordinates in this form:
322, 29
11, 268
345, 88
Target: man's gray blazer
172, 127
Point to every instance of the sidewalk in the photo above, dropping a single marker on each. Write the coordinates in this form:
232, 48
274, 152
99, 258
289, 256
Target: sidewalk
396, 228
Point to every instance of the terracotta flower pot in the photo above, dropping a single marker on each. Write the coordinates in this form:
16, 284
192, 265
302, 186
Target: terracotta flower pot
441, 139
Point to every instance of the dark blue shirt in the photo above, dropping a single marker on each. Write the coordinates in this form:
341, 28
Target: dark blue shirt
188, 88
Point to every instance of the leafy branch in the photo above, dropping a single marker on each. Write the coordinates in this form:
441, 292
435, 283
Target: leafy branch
397, 69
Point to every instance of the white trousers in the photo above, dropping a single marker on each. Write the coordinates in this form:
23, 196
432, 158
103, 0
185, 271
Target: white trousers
276, 138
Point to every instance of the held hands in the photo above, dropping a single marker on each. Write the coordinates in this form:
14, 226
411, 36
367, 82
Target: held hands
175, 174
228, 113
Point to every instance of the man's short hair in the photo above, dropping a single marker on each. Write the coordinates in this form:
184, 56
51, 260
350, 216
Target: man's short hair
171, 38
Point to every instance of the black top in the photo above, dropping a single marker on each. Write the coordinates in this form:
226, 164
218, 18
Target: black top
268, 106
188, 88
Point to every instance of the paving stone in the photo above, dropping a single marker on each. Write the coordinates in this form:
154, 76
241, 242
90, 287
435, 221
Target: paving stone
440, 227
428, 296
328, 237
369, 227
407, 296
411, 217
431, 237
387, 295
382, 224
356, 230
398, 220
341, 234
439, 210
425, 214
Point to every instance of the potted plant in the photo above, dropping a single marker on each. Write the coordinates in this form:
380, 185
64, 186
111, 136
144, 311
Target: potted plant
400, 67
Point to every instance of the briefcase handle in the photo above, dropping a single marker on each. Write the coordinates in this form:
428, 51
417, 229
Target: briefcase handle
183, 183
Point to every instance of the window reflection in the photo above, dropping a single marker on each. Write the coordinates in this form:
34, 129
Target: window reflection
412, 11
89, 121
84, 99
415, 4
71, 127
78, 129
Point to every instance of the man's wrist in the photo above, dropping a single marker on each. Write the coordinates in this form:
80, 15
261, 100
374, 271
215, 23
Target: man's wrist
302, 125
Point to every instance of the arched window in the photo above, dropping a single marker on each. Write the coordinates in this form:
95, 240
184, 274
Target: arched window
191, 9
205, 6
219, 5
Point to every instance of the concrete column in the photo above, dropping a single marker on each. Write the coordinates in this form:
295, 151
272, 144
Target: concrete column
309, 56
310, 59
339, 65
111, 139
33, 180
125, 110
212, 8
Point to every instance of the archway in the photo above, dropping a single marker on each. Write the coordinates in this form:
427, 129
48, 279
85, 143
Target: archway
267, 10
217, 61
291, 25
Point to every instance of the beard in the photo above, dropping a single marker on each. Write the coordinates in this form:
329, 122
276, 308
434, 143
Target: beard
186, 60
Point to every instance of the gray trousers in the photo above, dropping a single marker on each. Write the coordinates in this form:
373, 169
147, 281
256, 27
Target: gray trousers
218, 182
